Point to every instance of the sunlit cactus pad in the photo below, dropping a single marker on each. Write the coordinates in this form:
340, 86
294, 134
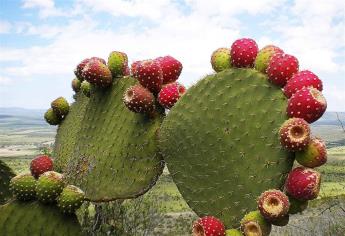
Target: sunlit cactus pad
116, 155
68, 132
221, 145
6, 174
33, 218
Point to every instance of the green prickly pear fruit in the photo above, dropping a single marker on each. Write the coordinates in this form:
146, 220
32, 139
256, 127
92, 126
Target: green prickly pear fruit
23, 187
254, 224
76, 85
85, 88
233, 232
70, 199
49, 186
60, 106
117, 63
52, 118
221, 59
264, 56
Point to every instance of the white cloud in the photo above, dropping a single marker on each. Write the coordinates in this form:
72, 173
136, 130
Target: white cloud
5, 27
315, 35
46, 8
189, 35
4, 80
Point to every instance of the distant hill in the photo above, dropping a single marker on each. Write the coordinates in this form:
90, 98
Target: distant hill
330, 118
22, 112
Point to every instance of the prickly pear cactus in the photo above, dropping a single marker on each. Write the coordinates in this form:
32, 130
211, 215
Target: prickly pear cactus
116, 155
68, 132
221, 146
33, 218
6, 174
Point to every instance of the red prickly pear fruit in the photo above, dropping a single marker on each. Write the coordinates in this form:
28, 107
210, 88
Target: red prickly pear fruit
79, 69
300, 80
314, 155
243, 52
139, 99
294, 134
170, 93
171, 68
273, 204
208, 226
303, 183
281, 68
40, 165
150, 75
308, 104
97, 73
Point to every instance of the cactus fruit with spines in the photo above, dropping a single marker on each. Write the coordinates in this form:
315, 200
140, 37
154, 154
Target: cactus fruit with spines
308, 104
281, 68
300, 80
97, 73
33, 218
220, 136
254, 224
294, 134
49, 186
68, 131
51, 117
264, 56
23, 187
6, 174
60, 106
117, 63
221, 59
314, 155
171, 68
116, 153
70, 199
40, 164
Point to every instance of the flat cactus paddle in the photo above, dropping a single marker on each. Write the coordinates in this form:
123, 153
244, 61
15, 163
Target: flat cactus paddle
33, 218
220, 143
6, 174
68, 132
116, 154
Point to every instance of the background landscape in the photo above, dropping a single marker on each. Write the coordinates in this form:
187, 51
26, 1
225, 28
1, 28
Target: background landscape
162, 211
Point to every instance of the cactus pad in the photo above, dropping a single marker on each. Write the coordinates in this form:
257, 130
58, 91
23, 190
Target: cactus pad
116, 155
6, 174
67, 133
220, 142
33, 218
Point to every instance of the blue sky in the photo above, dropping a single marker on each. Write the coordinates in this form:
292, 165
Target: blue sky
41, 41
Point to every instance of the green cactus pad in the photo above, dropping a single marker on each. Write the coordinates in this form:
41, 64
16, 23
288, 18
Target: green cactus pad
23, 219
220, 142
67, 133
6, 174
116, 155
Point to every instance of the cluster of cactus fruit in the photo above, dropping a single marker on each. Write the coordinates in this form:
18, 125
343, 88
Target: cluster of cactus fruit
229, 139
306, 104
47, 186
